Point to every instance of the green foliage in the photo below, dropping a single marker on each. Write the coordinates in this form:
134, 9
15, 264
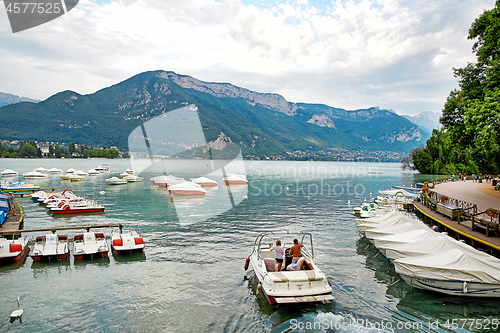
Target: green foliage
470, 139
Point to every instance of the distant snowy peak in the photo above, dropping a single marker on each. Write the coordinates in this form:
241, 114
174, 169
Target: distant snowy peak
428, 120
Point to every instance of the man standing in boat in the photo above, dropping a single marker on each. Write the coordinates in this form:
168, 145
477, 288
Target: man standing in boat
295, 251
12, 203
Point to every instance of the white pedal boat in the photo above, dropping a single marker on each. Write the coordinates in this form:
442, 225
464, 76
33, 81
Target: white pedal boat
50, 247
90, 244
126, 242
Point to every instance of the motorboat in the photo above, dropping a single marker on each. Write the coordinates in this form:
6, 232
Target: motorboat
165, 181
90, 244
12, 250
132, 178
50, 247
81, 173
452, 272
306, 283
54, 170
93, 172
126, 242
130, 171
41, 170
35, 175
9, 173
78, 206
102, 168
235, 179
186, 188
66, 176
116, 181
76, 178
204, 182
70, 170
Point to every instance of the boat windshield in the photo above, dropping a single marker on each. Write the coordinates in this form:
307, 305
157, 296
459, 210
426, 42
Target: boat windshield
286, 237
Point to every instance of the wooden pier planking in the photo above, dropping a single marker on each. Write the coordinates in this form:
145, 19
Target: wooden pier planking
463, 230
14, 225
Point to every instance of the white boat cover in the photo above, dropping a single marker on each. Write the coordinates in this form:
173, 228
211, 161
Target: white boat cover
419, 235
391, 214
453, 265
442, 243
393, 229
362, 227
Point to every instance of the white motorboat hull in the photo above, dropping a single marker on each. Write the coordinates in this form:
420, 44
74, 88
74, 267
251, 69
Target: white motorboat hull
455, 288
306, 284
13, 250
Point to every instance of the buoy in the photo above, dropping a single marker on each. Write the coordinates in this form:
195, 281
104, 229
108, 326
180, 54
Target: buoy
247, 262
259, 287
17, 313
102, 192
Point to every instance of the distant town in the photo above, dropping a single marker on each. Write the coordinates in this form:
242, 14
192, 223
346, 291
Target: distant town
34, 149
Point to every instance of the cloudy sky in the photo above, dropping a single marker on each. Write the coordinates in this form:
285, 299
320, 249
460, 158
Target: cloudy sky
350, 54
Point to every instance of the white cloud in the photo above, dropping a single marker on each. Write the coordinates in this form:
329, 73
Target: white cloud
350, 54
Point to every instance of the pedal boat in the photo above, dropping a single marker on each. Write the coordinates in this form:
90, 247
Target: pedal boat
306, 284
126, 242
50, 247
90, 244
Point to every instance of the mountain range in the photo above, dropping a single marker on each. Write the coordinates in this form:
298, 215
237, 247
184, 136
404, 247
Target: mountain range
264, 125
6, 99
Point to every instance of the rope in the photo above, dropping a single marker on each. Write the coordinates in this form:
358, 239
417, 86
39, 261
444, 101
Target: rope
394, 283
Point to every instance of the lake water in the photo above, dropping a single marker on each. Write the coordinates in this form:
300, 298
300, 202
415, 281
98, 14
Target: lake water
192, 278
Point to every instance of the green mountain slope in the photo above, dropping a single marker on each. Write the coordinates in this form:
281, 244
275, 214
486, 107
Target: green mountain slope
261, 124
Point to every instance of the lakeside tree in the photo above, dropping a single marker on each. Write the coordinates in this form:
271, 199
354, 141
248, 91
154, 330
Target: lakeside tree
470, 138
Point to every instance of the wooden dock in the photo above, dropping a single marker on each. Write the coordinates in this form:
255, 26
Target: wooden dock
22, 192
462, 230
14, 225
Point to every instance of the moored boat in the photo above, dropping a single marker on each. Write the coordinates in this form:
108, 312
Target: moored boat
116, 181
78, 206
9, 173
90, 244
126, 242
41, 170
54, 170
35, 175
93, 172
50, 247
204, 182
235, 179
186, 189
12, 250
303, 284
132, 178
165, 181
102, 168
76, 178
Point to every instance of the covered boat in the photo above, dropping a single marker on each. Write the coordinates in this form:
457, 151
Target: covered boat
235, 179
306, 283
126, 242
186, 189
165, 181
102, 168
50, 247
41, 169
204, 182
12, 250
90, 244
35, 175
9, 173
116, 181
452, 272
54, 170
93, 172
76, 178
132, 178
